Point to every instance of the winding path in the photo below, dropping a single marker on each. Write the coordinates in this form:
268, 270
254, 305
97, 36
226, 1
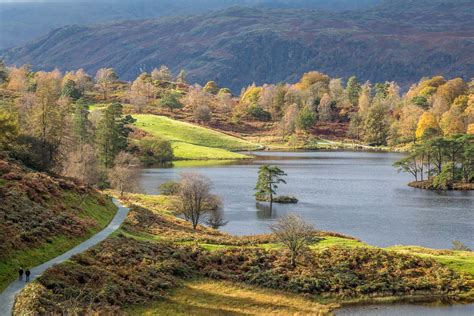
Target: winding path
7, 298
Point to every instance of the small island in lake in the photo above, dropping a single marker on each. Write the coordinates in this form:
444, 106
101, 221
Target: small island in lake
440, 163
267, 183
280, 199
428, 185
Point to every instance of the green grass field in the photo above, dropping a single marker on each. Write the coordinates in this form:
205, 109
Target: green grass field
462, 261
32, 257
194, 142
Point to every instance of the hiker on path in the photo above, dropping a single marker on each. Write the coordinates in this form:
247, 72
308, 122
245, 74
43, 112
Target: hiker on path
27, 275
20, 274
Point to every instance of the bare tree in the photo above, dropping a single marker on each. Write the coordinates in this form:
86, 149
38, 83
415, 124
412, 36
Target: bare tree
125, 173
202, 113
83, 165
164, 74
293, 232
141, 93
104, 79
194, 200
324, 108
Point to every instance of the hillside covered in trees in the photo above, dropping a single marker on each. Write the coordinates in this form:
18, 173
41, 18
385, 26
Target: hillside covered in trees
44, 16
395, 40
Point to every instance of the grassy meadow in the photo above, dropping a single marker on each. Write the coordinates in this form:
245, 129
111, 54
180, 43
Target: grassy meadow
194, 142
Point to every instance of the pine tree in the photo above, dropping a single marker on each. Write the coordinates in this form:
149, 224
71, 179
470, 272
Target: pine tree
81, 123
267, 183
112, 134
353, 89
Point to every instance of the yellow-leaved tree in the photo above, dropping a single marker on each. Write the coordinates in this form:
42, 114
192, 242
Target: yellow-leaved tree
470, 129
426, 123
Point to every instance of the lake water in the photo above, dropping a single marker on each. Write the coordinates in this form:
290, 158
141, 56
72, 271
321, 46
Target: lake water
407, 310
356, 193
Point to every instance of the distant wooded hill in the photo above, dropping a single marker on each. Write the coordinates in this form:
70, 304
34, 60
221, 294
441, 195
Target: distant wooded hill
27, 20
397, 40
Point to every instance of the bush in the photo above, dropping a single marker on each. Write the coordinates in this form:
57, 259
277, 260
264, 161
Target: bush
258, 113
169, 188
444, 180
171, 101
202, 113
155, 150
457, 245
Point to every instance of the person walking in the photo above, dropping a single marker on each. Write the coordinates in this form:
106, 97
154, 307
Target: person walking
20, 274
27, 275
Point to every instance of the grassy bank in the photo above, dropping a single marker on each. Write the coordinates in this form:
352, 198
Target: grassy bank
194, 142
43, 217
101, 215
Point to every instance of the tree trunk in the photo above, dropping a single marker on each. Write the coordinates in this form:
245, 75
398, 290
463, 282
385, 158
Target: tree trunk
293, 260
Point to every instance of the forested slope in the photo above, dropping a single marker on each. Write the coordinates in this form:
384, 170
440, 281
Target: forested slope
397, 40
23, 21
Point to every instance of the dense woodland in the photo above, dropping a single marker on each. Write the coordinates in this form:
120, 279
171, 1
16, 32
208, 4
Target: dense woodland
81, 125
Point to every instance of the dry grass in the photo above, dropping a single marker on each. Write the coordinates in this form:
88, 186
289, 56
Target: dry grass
207, 297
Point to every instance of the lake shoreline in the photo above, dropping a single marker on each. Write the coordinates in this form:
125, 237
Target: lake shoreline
416, 299
428, 185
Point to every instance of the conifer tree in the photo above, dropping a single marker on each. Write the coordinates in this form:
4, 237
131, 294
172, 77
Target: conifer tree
267, 183
112, 134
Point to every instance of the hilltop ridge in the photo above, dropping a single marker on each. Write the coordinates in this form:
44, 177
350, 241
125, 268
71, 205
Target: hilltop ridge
401, 41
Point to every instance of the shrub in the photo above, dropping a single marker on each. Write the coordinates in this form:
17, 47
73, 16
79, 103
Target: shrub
258, 113
457, 245
169, 188
170, 100
202, 113
155, 150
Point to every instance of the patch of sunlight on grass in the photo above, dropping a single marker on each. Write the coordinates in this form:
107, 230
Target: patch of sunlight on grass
462, 261
97, 107
190, 151
200, 163
338, 241
206, 297
32, 257
192, 141
325, 242
155, 203
142, 236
